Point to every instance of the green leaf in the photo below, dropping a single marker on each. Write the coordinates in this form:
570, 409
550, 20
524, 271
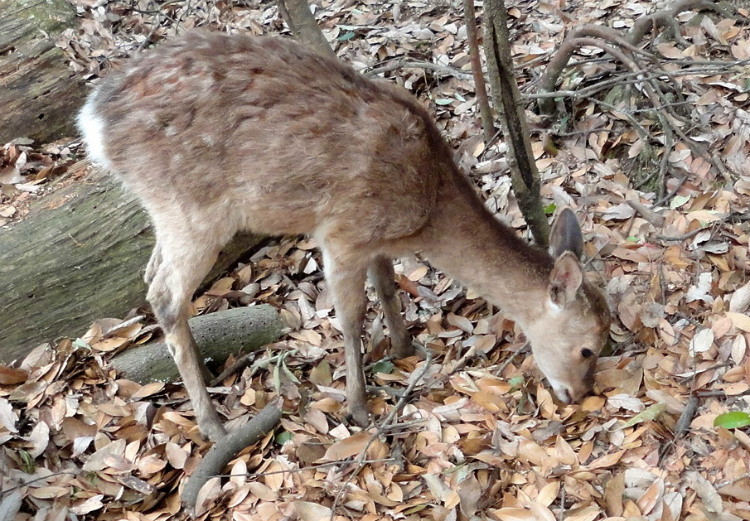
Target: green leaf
550, 209
290, 375
277, 378
416, 508
650, 414
516, 382
443, 101
284, 437
27, 462
346, 36
80, 344
732, 420
383, 366
678, 201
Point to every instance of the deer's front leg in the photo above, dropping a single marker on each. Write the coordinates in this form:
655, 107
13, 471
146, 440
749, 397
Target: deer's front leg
346, 280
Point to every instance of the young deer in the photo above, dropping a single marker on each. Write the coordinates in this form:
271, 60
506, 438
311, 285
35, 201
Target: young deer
218, 133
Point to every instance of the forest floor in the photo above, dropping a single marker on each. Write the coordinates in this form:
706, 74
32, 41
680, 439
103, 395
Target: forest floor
662, 194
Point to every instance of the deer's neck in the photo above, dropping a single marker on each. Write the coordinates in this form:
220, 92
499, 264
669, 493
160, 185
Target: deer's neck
466, 241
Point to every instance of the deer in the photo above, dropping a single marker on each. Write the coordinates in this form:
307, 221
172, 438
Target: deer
217, 133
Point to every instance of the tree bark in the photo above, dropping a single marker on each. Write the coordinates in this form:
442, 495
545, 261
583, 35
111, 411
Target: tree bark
218, 335
38, 92
227, 448
510, 109
78, 256
480, 88
301, 22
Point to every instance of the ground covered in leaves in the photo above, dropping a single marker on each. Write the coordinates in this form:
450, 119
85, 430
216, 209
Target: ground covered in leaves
663, 197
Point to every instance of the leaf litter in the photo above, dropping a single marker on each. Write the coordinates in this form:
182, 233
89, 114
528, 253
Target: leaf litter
481, 437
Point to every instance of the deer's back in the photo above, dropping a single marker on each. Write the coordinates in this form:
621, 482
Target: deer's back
270, 136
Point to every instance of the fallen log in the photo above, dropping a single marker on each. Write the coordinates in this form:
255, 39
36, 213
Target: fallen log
218, 335
38, 91
78, 256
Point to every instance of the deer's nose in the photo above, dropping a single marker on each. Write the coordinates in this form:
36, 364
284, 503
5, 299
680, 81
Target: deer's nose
563, 394
577, 395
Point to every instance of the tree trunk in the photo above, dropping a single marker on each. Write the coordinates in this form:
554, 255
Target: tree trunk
77, 257
38, 92
510, 109
301, 22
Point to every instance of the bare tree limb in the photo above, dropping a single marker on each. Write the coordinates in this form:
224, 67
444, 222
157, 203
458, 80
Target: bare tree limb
226, 448
485, 112
299, 18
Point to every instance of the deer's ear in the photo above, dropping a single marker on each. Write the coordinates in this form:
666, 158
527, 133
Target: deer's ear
566, 235
566, 278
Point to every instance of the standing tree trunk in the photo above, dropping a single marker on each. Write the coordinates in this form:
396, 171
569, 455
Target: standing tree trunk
480, 88
301, 22
510, 109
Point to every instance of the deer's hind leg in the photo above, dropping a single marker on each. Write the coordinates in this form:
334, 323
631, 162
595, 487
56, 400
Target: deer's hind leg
153, 263
383, 277
178, 265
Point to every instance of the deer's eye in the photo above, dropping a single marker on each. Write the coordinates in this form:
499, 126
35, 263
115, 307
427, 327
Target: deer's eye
587, 353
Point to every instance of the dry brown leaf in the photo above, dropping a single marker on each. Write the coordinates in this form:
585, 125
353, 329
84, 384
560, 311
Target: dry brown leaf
347, 447
311, 511
148, 390
740, 320
176, 455
8, 416
514, 514
273, 477
10, 376
39, 439
207, 494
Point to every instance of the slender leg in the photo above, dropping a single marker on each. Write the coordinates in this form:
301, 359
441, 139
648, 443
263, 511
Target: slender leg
178, 269
153, 263
347, 280
382, 276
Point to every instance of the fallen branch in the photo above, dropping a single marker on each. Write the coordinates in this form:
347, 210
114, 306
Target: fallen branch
630, 41
411, 64
226, 448
647, 213
217, 334
297, 15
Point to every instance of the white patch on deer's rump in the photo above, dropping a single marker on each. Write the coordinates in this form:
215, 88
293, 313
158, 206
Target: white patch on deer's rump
91, 126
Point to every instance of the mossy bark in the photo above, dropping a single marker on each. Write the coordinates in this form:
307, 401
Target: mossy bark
218, 335
39, 93
78, 256
510, 109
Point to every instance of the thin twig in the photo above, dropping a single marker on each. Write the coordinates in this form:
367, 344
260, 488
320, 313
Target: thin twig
691, 234
40, 478
236, 366
726, 483
411, 64
719, 394
510, 359
301, 469
672, 193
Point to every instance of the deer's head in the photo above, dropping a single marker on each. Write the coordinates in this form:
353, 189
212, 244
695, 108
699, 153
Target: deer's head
573, 326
